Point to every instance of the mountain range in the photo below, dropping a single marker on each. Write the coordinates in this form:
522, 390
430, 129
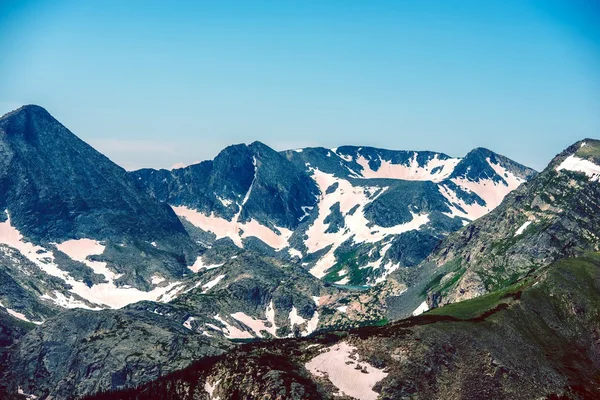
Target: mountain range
350, 215
112, 279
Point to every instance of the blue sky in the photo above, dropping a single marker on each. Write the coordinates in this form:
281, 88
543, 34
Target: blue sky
153, 83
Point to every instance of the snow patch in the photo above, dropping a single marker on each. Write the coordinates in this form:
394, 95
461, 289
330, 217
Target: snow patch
19, 315
421, 309
311, 324
230, 331
103, 294
522, 228
27, 396
342, 309
459, 208
576, 164
61, 300
199, 264
356, 225
411, 172
81, 249
340, 369
223, 228
492, 193
258, 325
225, 202
209, 285
188, 323
306, 210
294, 253
388, 268
211, 388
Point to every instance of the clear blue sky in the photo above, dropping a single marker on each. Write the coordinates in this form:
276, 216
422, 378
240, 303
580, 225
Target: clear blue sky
152, 83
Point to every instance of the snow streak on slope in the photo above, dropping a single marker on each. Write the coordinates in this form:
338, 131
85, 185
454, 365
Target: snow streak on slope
230, 331
81, 249
434, 170
209, 285
223, 228
459, 207
199, 264
492, 193
240, 325
259, 325
102, 295
522, 228
310, 325
576, 164
356, 225
421, 309
234, 229
19, 315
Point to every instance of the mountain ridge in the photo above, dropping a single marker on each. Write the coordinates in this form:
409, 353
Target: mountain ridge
421, 190
530, 340
246, 267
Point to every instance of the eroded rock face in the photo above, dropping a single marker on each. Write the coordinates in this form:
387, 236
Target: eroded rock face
81, 352
253, 180
350, 215
535, 340
56, 189
555, 215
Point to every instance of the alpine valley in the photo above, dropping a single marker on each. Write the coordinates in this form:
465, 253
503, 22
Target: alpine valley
313, 273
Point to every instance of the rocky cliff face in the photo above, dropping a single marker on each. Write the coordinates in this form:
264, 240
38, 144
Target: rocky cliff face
552, 216
82, 351
74, 229
349, 215
536, 339
555, 215
250, 183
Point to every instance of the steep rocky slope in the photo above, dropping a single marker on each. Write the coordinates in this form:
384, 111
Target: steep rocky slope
555, 215
251, 185
267, 245
536, 339
74, 229
350, 215
82, 351
246, 298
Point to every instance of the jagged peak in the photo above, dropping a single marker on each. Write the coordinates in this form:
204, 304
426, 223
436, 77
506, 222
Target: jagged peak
586, 149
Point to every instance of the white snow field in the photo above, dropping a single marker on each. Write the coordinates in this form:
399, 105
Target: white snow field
333, 363
576, 164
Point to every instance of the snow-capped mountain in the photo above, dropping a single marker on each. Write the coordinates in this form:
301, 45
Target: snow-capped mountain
74, 229
181, 263
351, 215
554, 215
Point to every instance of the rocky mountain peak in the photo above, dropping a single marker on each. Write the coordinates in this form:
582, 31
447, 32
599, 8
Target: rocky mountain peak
553, 215
27, 110
32, 124
585, 149
481, 164
64, 203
